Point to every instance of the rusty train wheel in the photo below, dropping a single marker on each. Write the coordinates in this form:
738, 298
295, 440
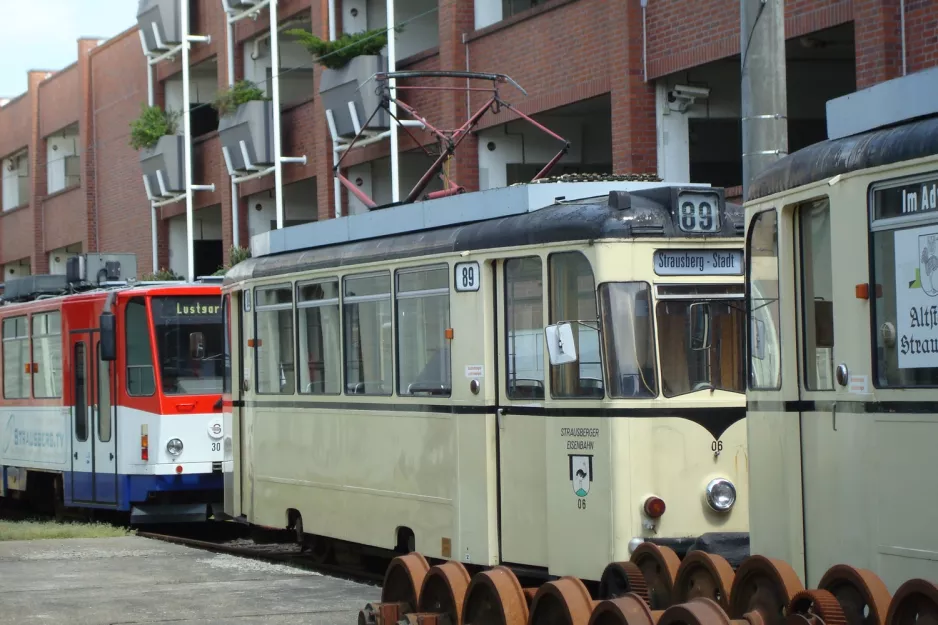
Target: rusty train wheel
495, 597
861, 593
699, 611
915, 603
620, 578
443, 592
629, 609
815, 607
659, 566
403, 580
565, 601
763, 585
704, 575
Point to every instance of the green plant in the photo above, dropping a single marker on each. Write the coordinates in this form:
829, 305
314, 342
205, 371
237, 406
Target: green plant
152, 124
162, 275
335, 54
235, 255
228, 101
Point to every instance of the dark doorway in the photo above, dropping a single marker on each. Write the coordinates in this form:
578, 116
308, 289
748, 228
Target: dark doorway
209, 257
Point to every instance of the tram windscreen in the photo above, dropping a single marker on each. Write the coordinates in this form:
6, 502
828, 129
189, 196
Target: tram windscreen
702, 345
181, 321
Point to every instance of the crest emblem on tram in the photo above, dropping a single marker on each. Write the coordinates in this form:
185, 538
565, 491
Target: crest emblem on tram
581, 474
926, 276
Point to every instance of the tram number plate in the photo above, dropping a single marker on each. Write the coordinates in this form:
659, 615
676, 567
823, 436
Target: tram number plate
699, 212
468, 277
216, 446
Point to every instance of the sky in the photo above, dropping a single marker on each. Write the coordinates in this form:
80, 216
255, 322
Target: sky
43, 34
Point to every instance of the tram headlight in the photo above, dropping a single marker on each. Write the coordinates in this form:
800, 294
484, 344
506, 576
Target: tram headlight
721, 494
174, 447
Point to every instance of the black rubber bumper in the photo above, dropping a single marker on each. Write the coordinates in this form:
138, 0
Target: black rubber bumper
734, 546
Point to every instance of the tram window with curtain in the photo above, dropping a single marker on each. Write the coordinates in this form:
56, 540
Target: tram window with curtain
904, 291
524, 320
765, 341
140, 379
47, 354
423, 351
573, 298
817, 295
366, 320
319, 337
273, 347
15, 358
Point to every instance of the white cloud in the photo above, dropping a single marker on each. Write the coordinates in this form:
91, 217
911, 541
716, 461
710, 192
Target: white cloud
42, 34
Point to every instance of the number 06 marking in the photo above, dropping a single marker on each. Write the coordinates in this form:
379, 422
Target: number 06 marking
467, 276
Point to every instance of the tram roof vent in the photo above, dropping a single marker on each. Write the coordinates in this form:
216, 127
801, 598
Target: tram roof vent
620, 200
29, 288
885, 104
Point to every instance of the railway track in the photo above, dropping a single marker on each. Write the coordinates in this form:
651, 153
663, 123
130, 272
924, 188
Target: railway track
265, 547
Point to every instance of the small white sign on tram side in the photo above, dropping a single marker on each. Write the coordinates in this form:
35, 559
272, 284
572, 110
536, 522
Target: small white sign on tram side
724, 262
467, 276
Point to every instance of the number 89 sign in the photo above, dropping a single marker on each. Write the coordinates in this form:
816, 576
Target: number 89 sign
467, 276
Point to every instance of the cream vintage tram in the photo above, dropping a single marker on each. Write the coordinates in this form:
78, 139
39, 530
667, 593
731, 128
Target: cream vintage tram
543, 375
843, 419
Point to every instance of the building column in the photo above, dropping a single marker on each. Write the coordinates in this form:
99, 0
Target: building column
39, 262
86, 143
877, 41
457, 17
634, 137
321, 153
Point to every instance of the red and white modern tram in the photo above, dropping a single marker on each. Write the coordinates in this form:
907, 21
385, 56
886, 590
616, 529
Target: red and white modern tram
111, 396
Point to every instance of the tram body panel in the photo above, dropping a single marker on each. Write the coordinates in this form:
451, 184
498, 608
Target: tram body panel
514, 471
862, 461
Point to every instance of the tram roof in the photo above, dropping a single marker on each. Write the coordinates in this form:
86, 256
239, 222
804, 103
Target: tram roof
886, 123
642, 212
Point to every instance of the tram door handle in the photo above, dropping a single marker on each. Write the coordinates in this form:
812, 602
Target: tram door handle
500, 416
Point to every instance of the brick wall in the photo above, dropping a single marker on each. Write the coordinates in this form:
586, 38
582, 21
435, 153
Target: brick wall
118, 89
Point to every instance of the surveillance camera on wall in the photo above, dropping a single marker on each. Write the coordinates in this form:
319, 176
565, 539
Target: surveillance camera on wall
691, 92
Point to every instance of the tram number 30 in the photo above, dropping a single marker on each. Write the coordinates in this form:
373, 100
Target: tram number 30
467, 276
216, 446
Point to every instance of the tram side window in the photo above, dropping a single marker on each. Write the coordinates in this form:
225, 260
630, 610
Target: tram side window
423, 353
319, 337
273, 311
140, 379
47, 354
817, 295
573, 298
765, 366
15, 358
366, 317
524, 320
904, 293
628, 339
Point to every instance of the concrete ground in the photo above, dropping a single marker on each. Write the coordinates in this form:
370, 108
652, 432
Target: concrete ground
111, 581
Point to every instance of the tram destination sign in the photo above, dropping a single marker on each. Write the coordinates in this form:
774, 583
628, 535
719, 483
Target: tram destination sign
908, 199
698, 262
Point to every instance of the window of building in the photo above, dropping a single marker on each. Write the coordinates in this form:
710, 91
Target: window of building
368, 340
15, 358
273, 309
817, 295
47, 354
140, 379
573, 298
513, 7
765, 341
524, 321
628, 339
905, 283
423, 351
317, 304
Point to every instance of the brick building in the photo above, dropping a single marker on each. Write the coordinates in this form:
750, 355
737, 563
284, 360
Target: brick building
599, 72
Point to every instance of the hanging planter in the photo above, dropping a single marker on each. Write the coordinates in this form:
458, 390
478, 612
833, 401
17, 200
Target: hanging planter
163, 13
349, 63
246, 114
153, 134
